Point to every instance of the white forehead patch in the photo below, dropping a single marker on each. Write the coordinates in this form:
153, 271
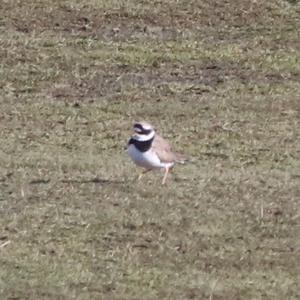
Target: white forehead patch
137, 130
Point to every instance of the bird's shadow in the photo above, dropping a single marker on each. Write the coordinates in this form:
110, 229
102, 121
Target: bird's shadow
95, 180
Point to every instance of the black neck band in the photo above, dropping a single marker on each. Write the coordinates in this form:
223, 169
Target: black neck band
142, 146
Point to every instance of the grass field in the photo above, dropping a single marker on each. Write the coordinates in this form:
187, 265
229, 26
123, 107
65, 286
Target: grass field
219, 79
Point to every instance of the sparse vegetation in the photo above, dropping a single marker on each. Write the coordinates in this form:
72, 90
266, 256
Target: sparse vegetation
220, 79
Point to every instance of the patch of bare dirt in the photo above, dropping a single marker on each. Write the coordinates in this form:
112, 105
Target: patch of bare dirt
168, 21
190, 79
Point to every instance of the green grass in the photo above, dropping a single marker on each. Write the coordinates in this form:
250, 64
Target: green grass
219, 80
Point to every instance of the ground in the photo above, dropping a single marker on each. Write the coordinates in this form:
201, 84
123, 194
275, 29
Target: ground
219, 79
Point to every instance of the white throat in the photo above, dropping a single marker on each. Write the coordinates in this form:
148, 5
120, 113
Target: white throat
144, 137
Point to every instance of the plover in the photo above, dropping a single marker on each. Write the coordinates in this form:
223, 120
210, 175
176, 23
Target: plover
149, 150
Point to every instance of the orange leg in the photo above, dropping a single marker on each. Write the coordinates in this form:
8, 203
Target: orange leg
142, 174
166, 175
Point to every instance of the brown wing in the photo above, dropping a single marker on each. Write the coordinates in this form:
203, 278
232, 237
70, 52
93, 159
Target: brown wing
163, 150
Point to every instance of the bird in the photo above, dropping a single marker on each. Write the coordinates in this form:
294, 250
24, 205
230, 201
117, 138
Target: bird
150, 151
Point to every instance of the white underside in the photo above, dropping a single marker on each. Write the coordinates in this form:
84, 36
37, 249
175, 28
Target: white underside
148, 159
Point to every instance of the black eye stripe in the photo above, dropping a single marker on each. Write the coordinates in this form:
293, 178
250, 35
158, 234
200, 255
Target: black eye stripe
138, 126
141, 130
